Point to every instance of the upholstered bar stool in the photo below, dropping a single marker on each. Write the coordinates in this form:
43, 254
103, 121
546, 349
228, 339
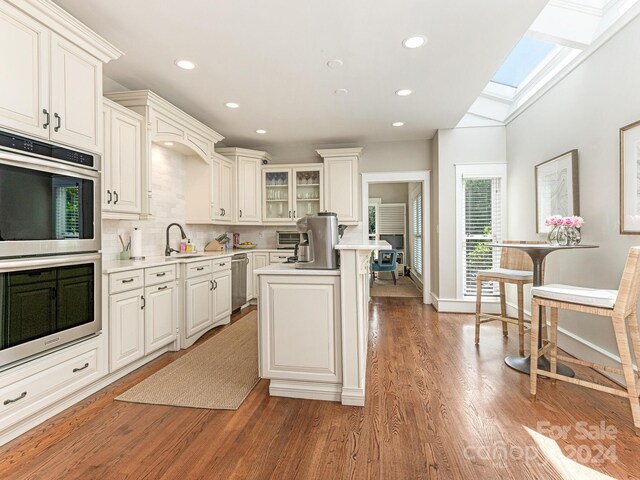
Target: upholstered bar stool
515, 268
619, 305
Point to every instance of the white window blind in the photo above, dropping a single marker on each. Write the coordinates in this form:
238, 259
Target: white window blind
67, 222
482, 222
416, 221
391, 218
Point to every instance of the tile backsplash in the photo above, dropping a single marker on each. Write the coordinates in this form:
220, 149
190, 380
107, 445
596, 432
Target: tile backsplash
168, 206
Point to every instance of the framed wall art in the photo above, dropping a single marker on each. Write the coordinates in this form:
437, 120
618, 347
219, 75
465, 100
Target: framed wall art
630, 179
557, 188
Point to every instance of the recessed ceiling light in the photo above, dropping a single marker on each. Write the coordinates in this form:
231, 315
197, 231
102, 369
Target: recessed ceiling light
231, 105
414, 42
404, 92
261, 132
169, 144
335, 63
341, 91
397, 124
185, 64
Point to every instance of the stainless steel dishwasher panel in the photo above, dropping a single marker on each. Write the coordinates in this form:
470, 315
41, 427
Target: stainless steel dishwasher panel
238, 281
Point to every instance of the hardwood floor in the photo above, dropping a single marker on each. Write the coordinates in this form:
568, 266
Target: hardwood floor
436, 407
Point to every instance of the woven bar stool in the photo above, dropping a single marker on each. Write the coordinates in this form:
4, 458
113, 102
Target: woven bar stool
619, 305
516, 268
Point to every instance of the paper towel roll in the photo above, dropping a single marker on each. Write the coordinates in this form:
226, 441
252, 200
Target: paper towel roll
136, 244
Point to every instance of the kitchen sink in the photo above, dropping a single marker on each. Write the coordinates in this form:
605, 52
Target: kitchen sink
186, 255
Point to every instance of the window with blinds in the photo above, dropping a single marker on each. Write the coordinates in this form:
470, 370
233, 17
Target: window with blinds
416, 221
67, 214
482, 222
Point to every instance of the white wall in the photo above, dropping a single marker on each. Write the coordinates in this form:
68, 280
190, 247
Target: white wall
389, 192
457, 146
583, 111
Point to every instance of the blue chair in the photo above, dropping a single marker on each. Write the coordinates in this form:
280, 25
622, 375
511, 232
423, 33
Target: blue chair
386, 262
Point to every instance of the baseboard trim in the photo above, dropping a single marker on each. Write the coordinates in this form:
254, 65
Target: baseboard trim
353, 397
307, 390
581, 348
61, 405
455, 305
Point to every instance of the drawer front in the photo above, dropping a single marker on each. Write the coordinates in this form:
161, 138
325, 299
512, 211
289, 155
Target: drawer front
279, 257
123, 281
34, 387
162, 274
222, 264
198, 268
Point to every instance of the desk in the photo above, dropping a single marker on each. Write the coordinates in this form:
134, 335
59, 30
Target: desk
537, 252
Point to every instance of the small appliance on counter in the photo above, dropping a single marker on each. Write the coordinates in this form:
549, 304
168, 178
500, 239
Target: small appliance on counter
218, 244
321, 233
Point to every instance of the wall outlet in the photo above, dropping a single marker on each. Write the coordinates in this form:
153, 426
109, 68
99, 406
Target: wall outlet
261, 234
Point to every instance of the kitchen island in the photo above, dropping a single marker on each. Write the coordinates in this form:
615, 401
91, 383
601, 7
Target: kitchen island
313, 327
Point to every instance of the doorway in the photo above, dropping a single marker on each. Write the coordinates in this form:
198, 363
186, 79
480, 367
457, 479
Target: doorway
395, 208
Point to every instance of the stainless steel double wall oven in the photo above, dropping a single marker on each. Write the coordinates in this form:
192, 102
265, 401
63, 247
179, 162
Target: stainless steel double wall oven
50, 262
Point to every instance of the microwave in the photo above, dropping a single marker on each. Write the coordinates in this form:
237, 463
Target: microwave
288, 239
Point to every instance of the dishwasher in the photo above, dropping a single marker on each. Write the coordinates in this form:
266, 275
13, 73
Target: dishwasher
238, 280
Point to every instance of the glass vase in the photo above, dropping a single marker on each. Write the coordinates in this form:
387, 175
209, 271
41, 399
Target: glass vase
552, 236
563, 235
574, 236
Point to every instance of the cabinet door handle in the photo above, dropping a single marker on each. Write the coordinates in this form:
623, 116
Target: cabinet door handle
200, 268
110, 197
13, 400
86, 365
247, 260
215, 285
117, 197
58, 123
127, 280
48, 122
220, 212
221, 264
161, 274
54, 293
289, 213
144, 302
163, 288
240, 213
294, 214
211, 287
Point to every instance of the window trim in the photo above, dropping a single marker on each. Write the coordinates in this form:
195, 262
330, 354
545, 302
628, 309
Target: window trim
476, 170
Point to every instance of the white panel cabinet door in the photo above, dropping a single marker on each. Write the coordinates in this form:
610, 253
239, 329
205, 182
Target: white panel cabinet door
125, 159
341, 187
107, 188
222, 297
226, 190
198, 305
249, 182
300, 328
250, 294
259, 260
24, 83
160, 316
76, 94
216, 195
126, 325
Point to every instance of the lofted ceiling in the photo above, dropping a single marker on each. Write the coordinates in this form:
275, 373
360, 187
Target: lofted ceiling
271, 58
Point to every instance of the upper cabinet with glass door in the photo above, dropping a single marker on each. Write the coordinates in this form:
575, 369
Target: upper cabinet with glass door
291, 193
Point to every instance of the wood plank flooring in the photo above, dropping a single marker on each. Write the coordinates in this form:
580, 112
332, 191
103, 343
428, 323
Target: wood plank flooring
436, 407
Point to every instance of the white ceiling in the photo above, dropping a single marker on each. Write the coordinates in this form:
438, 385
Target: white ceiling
270, 57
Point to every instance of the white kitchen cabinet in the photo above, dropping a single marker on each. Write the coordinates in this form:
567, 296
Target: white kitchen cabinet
341, 178
221, 297
289, 193
222, 180
126, 327
122, 161
315, 355
260, 259
24, 84
199, 305
54, 90
280, 256
161, 315
248, 180
249, 276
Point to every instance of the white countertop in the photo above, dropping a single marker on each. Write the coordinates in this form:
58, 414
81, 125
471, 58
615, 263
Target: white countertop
364, 245
113, 266
290, 269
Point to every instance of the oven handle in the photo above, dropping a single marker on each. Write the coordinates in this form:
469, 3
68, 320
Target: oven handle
17, 264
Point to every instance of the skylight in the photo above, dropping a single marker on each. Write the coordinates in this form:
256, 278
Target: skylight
523, 59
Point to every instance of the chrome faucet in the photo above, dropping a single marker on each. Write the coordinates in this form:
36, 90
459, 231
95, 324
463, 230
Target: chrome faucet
168, 249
